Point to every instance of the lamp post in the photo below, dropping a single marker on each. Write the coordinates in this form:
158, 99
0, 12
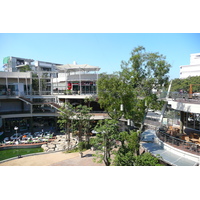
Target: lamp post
16, 128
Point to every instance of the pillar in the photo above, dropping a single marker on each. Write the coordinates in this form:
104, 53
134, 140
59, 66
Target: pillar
162, 112
181, 122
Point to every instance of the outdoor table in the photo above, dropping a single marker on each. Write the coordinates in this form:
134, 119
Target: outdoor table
194, 140
196, 135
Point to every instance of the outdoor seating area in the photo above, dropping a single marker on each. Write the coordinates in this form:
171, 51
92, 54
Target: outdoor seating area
173, 131
188, 137
187, 141
28, 138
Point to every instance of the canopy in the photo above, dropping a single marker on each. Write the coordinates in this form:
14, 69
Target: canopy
75, 68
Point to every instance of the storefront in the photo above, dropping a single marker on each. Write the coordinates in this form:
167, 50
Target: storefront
86, 87
21, 123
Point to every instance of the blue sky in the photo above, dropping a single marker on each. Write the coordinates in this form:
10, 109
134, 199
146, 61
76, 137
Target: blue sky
105, 50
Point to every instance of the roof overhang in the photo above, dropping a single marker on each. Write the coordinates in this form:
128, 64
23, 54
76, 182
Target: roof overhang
75, 68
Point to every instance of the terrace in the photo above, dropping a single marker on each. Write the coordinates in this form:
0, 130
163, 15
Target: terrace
189, 141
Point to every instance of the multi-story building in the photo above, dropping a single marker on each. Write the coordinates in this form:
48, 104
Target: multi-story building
14, 64
33, 96
193, 69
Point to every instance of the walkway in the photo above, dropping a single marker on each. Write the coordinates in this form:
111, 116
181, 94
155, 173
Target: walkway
55, 159
148, 138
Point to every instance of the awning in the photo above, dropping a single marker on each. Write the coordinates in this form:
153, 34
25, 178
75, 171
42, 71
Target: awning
75, 68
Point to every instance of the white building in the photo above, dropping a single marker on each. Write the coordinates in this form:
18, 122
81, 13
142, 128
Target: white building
193, 69
13, 64
35, 96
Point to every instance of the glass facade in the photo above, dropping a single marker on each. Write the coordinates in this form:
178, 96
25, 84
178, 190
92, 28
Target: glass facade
192, 120
171, 117
87, 87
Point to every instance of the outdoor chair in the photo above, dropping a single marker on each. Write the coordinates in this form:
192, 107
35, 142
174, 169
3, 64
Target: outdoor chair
191, 135
187, 143
187, 138
194, 147
198, 142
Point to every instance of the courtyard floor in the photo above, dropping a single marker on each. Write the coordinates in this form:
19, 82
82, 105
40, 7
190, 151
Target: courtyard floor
55, 159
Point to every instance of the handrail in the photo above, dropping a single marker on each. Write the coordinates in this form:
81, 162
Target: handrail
178, 143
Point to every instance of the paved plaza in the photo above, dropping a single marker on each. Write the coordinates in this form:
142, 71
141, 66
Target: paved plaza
55, 159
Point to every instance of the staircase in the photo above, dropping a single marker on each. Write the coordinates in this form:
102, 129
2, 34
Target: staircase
55, 105
26, 100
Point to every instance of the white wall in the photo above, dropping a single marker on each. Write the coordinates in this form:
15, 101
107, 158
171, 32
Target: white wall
194, 58
189, 70
186, 107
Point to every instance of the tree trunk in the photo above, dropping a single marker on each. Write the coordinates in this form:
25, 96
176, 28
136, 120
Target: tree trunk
68, 142
79, 133
142, 123
107, 158
106, 154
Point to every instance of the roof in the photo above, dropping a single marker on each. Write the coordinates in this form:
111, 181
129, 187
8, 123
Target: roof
72, 68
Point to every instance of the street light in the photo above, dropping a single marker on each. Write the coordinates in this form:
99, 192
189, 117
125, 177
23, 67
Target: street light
16, 128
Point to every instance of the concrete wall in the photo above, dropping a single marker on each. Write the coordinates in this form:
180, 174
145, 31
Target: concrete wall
13, 105
179, 152
189, 70
186, 107
15, 75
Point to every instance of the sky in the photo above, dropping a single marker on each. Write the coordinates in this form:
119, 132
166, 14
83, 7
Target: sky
105, 50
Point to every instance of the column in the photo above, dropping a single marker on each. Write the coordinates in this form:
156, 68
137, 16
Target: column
26, 86
162, 112
18, 85
80, 81
181, 122
39, 83
96, 83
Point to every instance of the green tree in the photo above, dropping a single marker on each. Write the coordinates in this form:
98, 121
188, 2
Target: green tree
110, 94
147, 159
128, 152
128, 149
83, 121
142, 77
145, 72
38, 84
184, 84
25, 68
105, 140
65, 119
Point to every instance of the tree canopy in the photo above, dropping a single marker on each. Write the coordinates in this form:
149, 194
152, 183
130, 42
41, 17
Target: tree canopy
184, 84
135, 86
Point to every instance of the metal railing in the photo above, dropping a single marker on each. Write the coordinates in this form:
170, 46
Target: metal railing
178, 143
